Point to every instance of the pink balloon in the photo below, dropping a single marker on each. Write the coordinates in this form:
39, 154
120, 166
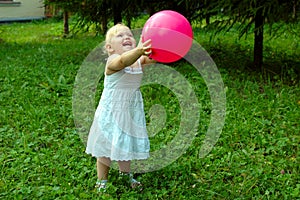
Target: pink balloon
171, 35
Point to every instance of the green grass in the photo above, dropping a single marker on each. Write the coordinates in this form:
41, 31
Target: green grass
42, 156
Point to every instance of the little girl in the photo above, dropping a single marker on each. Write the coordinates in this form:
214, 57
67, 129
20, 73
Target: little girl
118, 132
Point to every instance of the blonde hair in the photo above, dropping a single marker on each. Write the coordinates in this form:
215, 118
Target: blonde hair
113, 31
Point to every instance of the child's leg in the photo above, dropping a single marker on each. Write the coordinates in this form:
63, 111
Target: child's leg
103, 165
124, 166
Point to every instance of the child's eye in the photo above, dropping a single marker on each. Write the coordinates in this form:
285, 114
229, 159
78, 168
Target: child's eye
120, 35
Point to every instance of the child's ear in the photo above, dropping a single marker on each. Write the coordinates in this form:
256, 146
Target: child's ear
109, 48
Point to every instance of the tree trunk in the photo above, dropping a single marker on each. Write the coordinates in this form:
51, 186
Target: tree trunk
207, 19
104, 18
258, 40
104, 24
128, 19
66, 23
117, 13
295, 9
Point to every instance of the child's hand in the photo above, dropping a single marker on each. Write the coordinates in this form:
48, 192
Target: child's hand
145, 46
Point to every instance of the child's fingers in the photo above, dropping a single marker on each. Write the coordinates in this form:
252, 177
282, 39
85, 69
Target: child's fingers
148, 46
147, 49
147, 42
148, 52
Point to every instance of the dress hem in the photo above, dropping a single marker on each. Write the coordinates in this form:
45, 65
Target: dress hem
114, 159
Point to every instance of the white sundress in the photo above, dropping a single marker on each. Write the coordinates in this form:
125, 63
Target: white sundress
119, 130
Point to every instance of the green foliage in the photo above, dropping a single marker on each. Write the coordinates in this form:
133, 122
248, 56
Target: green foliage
244, 12
98, 14
249, 13
42, 156
281, 52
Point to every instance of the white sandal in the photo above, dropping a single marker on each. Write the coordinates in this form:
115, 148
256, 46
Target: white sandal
133, 183
101, 185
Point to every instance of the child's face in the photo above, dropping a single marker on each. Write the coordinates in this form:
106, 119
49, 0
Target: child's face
121, 42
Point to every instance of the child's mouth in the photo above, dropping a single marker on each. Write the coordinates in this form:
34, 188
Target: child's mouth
127, 44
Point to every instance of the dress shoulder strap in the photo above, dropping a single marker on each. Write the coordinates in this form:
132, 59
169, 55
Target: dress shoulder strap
139, 63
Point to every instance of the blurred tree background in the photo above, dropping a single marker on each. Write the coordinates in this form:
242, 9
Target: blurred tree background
250, 16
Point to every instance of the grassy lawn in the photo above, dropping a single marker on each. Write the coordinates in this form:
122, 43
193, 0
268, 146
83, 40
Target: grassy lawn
43, 157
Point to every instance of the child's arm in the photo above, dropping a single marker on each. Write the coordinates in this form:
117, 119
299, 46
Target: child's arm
118, 62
